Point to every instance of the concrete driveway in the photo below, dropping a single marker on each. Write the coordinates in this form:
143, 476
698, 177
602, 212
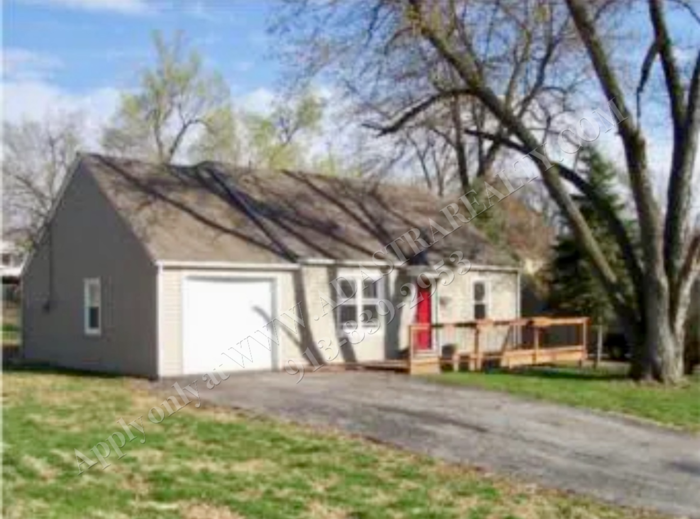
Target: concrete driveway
605, 456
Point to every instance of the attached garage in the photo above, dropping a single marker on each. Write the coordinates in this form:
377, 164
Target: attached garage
219, 315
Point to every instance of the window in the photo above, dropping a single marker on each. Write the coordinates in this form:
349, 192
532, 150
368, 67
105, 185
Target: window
481, 302
93, 306
360, 306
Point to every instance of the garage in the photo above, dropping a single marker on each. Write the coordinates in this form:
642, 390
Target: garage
220, 313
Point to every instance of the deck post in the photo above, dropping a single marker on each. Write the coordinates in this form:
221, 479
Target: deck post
599, 346
536, 341
455, 353
584, 355
477, 348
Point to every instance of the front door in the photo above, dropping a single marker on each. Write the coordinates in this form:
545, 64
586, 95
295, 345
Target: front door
424, 315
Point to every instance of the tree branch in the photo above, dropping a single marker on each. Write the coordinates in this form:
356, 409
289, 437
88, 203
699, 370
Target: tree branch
679, 182
414, 111
668, 63
689, 272
686, 5
692, 259
172, 150
685, 148
635, 152
465, 67
615, 226
644, 76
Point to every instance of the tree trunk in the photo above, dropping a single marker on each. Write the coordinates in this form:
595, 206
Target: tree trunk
659, 356
462, 166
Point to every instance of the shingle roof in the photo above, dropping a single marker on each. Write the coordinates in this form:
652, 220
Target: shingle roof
217, 212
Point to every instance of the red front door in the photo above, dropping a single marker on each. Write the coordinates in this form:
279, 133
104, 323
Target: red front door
424, 315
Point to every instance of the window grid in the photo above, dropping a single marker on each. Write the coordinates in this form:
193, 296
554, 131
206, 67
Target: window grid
480, 292
92, 306
364, 299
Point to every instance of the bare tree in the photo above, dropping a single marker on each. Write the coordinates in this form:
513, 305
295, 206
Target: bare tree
569, 52
178, 100
36, 159
394, 81
437, 144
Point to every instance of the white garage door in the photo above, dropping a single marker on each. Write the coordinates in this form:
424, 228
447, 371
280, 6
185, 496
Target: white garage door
221, 313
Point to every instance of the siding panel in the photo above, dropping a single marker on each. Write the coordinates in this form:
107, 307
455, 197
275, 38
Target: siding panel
88, 239
306, 289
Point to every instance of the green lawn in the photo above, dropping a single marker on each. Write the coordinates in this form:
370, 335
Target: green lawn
11, 332
10, 327
605, 389
214, 463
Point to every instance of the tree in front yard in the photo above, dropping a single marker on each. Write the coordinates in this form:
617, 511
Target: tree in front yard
573, 285
576, 55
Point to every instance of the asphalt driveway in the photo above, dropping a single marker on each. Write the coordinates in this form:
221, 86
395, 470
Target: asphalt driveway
613, 458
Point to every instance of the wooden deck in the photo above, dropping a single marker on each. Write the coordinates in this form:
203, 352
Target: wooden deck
423, 365
520, 342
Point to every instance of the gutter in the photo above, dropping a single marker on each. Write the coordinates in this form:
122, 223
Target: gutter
234, 265
225, 265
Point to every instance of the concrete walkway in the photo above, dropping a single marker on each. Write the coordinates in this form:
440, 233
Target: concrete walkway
612, 458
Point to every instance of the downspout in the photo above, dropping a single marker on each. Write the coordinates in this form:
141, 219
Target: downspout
48, 303
159, 334
518, 308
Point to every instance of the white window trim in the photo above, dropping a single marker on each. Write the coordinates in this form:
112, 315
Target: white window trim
487, 297
87, 283
358, 298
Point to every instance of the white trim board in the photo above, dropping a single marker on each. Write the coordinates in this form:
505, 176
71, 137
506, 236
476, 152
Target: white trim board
225, 265
310, 262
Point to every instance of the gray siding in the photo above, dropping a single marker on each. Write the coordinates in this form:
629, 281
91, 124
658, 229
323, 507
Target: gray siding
86, 239
308, 285
302, 287
456, 304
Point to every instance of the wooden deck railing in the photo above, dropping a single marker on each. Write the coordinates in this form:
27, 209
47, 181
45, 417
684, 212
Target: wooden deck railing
509, 343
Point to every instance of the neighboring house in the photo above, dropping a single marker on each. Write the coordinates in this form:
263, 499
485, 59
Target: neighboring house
11, 264
158, 271
11, 261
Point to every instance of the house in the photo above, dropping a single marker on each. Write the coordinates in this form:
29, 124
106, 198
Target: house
11, 260
11, 263
162, 271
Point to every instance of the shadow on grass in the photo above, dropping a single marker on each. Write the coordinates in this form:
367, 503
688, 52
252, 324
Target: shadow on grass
568, 373
48, 369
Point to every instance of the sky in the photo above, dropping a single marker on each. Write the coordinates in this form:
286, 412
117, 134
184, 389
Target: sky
79, 54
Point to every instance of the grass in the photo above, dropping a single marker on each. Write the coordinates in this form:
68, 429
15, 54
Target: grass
11, 332
606, 389
215, 463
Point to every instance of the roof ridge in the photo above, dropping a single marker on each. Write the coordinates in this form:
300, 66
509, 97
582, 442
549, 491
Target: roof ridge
235, 170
